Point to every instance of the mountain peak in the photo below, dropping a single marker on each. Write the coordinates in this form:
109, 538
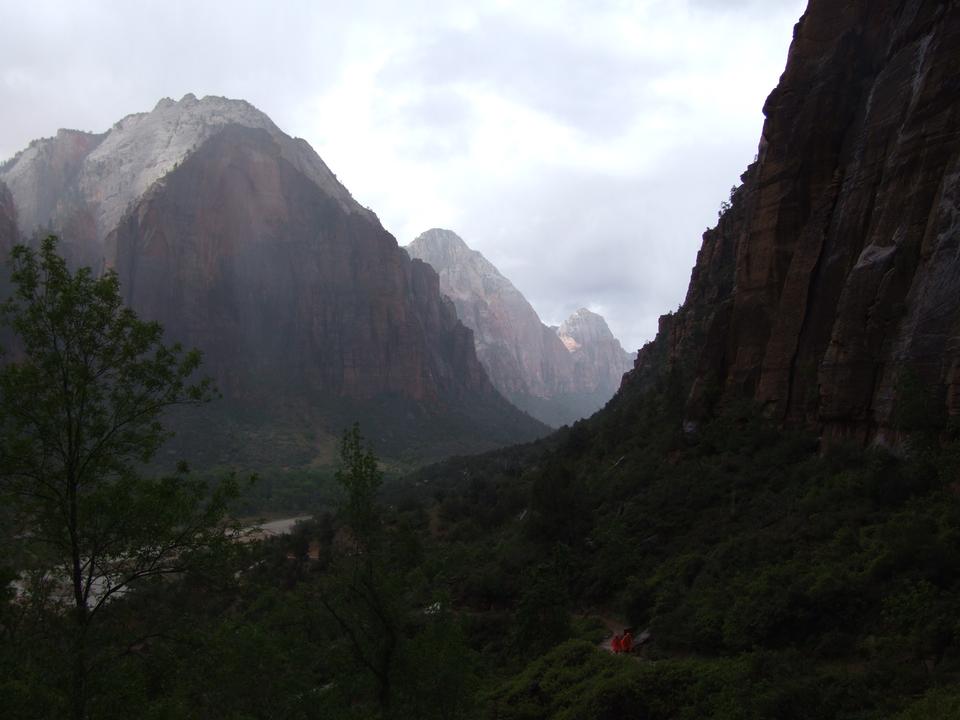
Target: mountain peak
190, 100
444, 249
450, 255
586, 315
102, 175
585, 327
441, 237
215, 109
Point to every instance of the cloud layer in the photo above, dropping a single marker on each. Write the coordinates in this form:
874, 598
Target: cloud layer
582, 146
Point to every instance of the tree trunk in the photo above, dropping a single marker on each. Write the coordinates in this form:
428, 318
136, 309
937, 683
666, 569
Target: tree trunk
78, 689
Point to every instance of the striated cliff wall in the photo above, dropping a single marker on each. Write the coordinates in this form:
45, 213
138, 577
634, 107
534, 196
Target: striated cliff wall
835, 274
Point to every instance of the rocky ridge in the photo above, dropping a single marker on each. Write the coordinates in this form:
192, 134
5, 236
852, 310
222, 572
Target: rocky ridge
831, 283
557, 378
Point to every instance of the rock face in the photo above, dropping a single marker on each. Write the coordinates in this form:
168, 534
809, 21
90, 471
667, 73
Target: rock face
84, 182
8, 222
241, 242
834, 278
599, 361
9, 236
556, 378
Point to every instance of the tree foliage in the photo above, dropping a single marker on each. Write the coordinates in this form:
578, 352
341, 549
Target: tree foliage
359, 478
359, 590
81, 402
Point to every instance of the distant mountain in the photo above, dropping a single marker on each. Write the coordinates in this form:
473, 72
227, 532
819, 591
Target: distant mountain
240, 240
558, 375
599, 360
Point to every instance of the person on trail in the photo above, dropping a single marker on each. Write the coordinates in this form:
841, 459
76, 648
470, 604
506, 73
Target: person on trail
626, 642
615, 644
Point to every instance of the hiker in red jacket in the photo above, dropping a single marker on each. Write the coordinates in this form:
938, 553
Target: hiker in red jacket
626, 642
615, 644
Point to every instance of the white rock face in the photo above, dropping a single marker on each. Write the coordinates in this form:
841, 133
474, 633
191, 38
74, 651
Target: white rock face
598, 356
487, 302
49, 181
585, 328
558, 375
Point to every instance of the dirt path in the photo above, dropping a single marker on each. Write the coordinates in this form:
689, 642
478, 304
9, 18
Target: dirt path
613, 624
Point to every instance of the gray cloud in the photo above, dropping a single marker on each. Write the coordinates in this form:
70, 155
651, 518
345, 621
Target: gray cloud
86, 65
582, 146
754, 6
644, 235
595, 90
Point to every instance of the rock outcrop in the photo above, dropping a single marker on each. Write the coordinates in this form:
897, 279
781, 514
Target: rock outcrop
556, 378
241, 242
834, 278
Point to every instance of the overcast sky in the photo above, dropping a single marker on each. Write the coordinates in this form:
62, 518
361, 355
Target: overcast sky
583, 147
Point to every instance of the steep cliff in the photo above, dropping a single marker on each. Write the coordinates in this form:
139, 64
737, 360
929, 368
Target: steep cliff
241, 242
557, 379
8, 222
9, 235
834, 278
43, 179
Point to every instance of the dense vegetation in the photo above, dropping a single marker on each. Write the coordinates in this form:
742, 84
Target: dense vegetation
778, 578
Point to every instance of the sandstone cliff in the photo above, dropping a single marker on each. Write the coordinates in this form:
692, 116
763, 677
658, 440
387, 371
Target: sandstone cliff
835, 275
242, 243
556, 378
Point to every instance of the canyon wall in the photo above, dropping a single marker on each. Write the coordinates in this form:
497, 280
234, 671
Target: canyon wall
833, 279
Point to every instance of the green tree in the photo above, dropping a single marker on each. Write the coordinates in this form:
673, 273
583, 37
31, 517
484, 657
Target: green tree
559, 506
81, 404
361, 589
359, 478
543, 613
